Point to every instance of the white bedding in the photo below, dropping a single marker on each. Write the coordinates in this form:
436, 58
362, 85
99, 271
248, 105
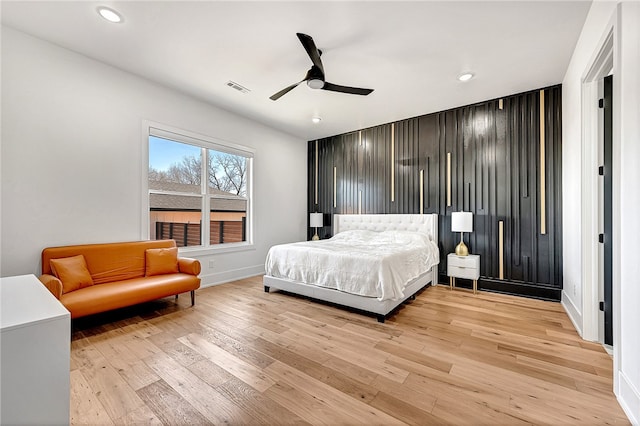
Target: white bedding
366, 263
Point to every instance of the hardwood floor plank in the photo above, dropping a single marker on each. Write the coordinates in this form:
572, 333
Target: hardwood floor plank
111, 389
345, 377
423, 398
469, 411
415, 357
248, 373
141, 416
560, 413
205, 399
348, 407
85, 408
596, 381
84, 354
303, 347
350, 369
403, 411
262, 409
123, 349
237, 347
169, 406
367, 358
541, 392
327, 331
305, 406
168, 344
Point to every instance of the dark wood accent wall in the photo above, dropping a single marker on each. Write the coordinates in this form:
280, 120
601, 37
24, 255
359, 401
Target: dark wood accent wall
495, 150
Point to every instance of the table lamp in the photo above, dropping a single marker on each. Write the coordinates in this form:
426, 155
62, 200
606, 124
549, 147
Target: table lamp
462, 222
315, 221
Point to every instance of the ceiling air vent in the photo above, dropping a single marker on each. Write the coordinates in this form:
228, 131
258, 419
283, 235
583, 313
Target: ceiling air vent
237, 86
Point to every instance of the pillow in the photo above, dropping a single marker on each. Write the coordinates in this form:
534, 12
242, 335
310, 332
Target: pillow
72, 271
407, 237
355, 235
161, 261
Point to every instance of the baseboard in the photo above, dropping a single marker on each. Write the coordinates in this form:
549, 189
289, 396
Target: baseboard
231, 275
514, 288
629, 398
572, 312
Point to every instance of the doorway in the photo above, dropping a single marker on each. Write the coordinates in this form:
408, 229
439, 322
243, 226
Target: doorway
592, 193
606, 213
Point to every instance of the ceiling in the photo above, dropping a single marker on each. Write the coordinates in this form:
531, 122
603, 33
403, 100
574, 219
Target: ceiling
409, 52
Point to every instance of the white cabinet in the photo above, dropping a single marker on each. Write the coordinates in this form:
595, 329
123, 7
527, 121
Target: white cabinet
34, 354
463, 267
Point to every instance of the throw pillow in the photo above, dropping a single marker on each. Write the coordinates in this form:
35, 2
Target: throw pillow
72, 271
161, 261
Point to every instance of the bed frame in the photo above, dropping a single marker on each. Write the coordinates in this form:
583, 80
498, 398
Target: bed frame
427, 223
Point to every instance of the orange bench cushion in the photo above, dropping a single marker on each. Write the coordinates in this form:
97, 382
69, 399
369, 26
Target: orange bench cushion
105, 297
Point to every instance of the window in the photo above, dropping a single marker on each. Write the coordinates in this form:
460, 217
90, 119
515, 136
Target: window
198, 206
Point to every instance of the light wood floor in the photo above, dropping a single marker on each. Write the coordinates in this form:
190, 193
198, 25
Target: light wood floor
241, 356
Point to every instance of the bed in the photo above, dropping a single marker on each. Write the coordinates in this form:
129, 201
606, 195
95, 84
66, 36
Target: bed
333, 270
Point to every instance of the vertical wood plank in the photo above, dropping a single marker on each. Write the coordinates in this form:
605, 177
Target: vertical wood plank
422, 191
448, 179
501, 249
543, 170
393, 162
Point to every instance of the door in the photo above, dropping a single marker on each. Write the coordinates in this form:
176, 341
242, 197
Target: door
607, 209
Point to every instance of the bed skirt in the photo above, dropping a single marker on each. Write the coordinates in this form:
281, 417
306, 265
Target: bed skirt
368, 304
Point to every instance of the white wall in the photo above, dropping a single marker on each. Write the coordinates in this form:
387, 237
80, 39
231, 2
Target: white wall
72, 158
627, 355
594, 30
624, 18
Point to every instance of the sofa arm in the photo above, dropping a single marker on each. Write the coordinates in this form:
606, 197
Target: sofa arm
186, 265
53, 284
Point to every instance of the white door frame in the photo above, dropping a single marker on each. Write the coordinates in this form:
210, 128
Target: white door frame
597, 69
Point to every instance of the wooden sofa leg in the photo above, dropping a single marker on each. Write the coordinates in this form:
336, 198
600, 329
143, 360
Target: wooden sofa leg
266, 289
380, 318
176, 297
193, 297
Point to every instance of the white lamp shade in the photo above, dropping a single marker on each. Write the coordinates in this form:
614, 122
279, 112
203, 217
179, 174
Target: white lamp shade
461, 222
315, 220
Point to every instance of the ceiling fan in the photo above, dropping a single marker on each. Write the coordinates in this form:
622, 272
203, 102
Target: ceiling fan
315, 76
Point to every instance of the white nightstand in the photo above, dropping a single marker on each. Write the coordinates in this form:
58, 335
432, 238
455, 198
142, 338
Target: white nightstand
463, 267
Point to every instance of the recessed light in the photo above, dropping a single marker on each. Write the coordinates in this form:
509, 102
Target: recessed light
110, 14
465, 76
316, 120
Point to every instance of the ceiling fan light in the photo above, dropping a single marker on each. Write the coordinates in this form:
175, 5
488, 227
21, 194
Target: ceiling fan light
315, 83
465, 76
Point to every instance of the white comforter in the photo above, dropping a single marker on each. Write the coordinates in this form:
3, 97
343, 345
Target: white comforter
367, 263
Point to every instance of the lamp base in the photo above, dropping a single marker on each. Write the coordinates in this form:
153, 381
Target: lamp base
462, 250
315, 237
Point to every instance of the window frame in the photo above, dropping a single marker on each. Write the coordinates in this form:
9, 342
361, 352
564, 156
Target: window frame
205, 143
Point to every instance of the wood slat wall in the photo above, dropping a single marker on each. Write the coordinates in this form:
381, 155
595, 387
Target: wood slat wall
495, 152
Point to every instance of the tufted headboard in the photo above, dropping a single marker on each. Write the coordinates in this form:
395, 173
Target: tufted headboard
425, 223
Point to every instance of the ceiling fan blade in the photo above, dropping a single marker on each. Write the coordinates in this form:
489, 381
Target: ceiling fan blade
346, 89
284, 91
312, 50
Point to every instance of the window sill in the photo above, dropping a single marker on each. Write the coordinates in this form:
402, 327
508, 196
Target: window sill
222, 248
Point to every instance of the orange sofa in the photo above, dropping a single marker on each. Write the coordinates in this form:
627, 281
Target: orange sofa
94, 278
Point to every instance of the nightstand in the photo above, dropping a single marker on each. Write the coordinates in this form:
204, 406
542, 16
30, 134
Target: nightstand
463, 267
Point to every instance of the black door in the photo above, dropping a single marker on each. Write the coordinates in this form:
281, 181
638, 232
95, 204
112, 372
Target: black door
608, 189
